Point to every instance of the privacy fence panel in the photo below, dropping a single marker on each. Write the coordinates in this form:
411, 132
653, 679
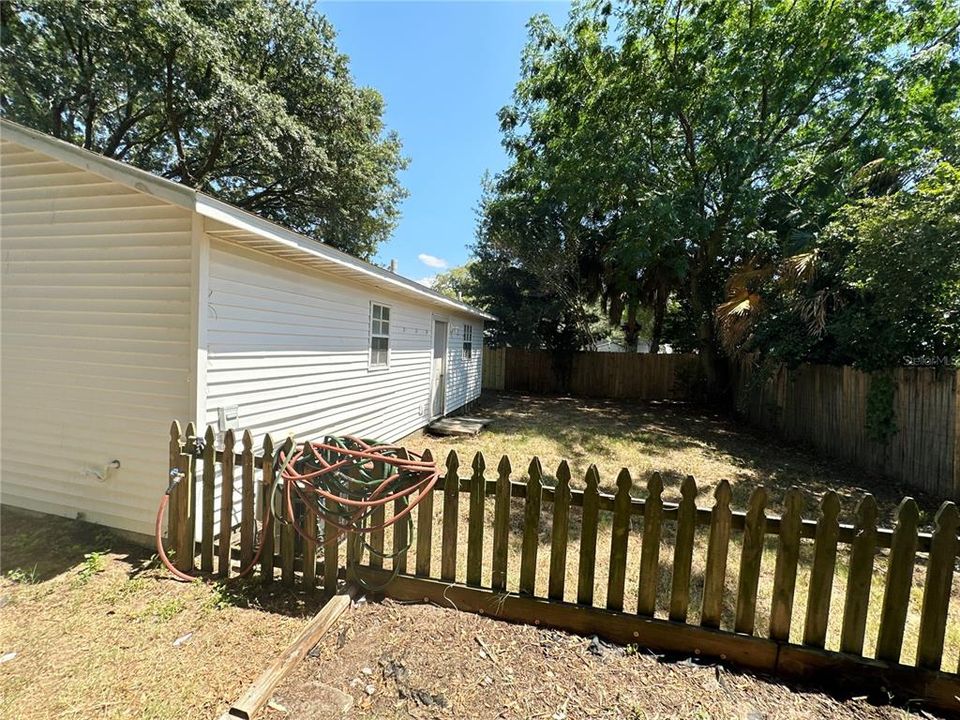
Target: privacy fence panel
904, 424
590, 374
833, 409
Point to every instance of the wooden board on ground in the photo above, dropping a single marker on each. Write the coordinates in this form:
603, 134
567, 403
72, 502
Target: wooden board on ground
253, 700
462, 425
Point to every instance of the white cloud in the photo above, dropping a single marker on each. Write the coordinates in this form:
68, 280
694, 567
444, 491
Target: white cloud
432, 261
428, 281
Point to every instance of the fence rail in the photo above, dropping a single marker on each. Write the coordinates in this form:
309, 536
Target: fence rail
673, 576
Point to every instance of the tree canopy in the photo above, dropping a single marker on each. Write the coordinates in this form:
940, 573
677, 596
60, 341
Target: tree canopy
661, 147
249, 101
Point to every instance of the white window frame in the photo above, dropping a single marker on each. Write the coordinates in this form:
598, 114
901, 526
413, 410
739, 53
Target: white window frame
466, 346
371, 365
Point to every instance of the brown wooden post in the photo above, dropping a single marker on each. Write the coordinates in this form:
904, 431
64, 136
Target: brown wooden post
896, 594
248, 496
266, 555
588, 537
531, 529
288, 536
821, 576
859, 577
174, 500
785, 572
401, 529
683, 551
425, 530
716, 571
560, 530
379, 514
190, 528
451, 519
650, 547
183, 542
478, 486
226, 505
209, 498
311, 529
331, 547
755, 526
501, 526
936, 592
619, 539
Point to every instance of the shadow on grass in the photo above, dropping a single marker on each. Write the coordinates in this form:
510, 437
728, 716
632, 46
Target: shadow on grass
38, 548
665, 435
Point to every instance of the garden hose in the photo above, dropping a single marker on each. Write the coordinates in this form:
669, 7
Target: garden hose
343, 481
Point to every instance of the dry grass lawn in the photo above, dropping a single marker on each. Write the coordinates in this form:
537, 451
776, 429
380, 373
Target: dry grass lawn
90, 628
415, 661
674, 439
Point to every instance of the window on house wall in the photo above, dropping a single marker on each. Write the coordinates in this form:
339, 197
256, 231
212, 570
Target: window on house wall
379, 335
467, 342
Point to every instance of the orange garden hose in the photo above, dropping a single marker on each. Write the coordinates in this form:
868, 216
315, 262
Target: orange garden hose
343, 480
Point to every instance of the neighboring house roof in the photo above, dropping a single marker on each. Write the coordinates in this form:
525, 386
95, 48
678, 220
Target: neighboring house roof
231, 223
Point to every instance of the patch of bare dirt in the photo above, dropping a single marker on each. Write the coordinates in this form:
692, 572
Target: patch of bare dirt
391, 660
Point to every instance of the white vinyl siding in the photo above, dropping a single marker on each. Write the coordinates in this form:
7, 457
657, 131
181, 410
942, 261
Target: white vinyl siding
463, 373
96, 340
290, 348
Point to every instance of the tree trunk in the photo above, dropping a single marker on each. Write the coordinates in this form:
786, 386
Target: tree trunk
712, 363
659, 310
631, 330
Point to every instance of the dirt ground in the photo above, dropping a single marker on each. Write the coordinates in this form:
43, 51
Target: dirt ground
90, 627
391, 660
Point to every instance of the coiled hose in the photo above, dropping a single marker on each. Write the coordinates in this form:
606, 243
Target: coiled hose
344, 480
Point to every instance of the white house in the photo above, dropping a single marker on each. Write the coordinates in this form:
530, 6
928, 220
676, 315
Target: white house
129, 300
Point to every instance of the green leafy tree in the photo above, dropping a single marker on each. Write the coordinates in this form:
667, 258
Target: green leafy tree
457, 283
881, 286
249, 101
665, 143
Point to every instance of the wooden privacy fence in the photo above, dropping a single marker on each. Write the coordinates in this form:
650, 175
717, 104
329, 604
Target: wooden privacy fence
827, 407
590, 374
670, 576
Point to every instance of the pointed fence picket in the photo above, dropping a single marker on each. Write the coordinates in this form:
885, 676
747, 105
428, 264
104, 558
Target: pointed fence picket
628, 531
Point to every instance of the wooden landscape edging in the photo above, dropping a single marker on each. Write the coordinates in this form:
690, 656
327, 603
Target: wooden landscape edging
830, 669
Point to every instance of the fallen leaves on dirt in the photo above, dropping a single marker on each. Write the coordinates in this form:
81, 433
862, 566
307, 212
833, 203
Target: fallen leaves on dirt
436, 663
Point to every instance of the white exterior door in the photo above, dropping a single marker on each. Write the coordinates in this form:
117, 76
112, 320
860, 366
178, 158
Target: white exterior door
439, 367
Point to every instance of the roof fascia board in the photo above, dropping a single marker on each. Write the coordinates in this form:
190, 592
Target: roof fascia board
108, 168
229, 215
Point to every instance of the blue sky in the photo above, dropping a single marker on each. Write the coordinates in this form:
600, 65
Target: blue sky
444, 70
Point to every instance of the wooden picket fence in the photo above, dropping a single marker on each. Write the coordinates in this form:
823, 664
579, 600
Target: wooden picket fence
468, 553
